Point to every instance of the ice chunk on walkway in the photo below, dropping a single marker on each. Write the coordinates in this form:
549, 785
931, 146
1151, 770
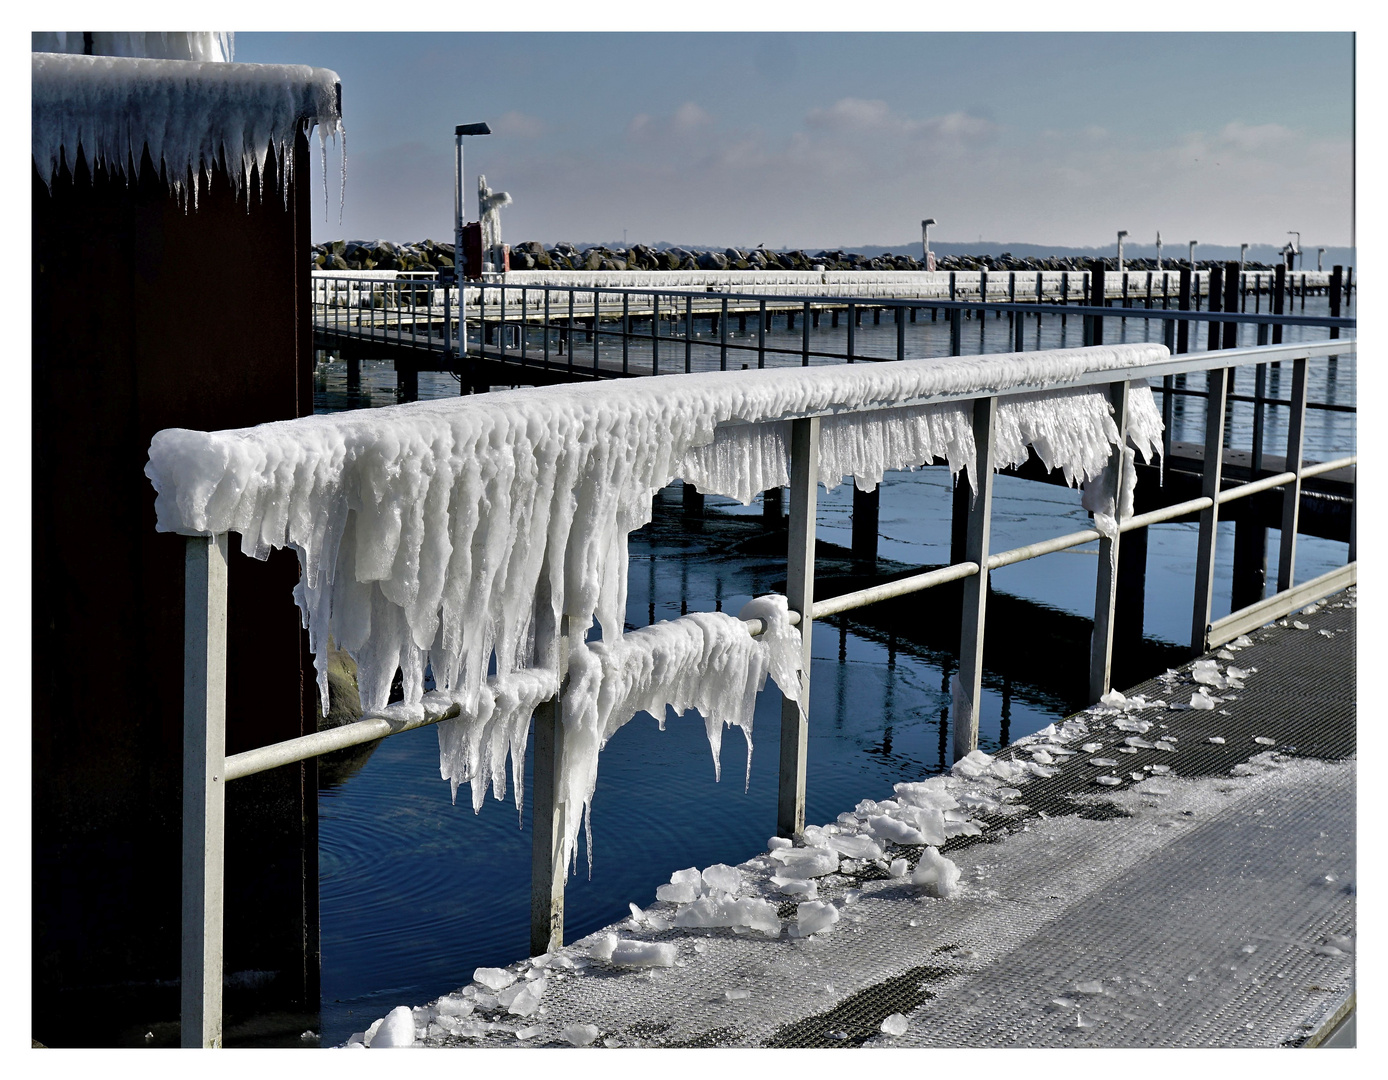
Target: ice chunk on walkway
856, 847
926, 794
939, 875
711, 911
1200, 700
807, 862
720, 877
644, 953
684, 886
798, 886
814, 917
894, 1025
972, 764
494, 978
580, 1034
396, 1029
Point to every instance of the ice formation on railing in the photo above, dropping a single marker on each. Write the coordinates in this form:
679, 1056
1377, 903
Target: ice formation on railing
453, 533
191, 116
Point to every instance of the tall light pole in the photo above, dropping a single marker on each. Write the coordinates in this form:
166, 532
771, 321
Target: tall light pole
458, 133
1192, 253
1243, 256
925, 241
1295, 250
1320, 258
1121, 233
1158, 249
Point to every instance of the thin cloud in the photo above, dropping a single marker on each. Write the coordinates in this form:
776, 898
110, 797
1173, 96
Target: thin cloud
519, 125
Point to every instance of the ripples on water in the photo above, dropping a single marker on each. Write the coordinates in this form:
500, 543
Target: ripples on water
416, 892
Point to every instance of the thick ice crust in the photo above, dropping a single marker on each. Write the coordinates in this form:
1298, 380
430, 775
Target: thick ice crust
442, 532
192, 116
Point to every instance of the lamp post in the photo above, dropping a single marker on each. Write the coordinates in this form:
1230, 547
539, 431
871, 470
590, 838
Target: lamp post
1320, 258
1158, 249
925, 241
1192, 253
1296, 249
1243, 256
1121, 233
458, 133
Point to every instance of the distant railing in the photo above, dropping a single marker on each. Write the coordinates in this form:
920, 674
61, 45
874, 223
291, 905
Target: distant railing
581, 330
207, 768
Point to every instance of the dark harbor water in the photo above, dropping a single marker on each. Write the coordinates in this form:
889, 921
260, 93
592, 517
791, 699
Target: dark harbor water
416, 892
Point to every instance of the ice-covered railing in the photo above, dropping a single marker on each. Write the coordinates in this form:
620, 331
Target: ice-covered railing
192, 117
490, 533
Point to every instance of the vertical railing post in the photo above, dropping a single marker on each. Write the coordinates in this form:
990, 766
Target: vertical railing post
204, 786
1291, 504
1212, 473
761, 333
800, 533
723, 336
688, 333
626, 330
547, 869
976, 587
1106, 587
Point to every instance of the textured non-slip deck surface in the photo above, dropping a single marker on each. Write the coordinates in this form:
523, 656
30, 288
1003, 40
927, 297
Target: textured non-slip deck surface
1208, 905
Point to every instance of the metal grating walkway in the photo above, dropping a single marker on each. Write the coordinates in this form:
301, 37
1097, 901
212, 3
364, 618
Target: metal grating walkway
1209, 905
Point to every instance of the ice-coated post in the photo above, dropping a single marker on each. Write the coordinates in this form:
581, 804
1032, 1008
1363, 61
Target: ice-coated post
204, 790
1106, 588
1291, 497
547, 869
975, 587
804, 480
1209, 517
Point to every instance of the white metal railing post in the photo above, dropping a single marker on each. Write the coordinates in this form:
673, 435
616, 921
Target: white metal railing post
547, 868
976, 586
1291, 496
1212, 476
1106, 587
204, 788
800, 533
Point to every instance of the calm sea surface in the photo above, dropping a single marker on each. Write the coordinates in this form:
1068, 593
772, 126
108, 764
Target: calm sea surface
416, 892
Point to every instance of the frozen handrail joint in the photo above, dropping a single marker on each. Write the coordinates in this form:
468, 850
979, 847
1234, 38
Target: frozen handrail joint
191, 116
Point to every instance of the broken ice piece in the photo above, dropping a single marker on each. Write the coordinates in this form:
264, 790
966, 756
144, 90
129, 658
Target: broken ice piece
898, 868
815, 917
741, 993
1199, 700
1090, 986
939, 875
1243, 641
1263, 740
1107, 781
1134, 740
1128, 749
1164, 746
1103, 762
1300, 625
527, 1032
1092, 747
1081, 1021
580, 1034
1114, 699
894, 1024
1218, 740
493, 978
1136, 776
1225, 654
1159, 770
777, 842
1063, 1003
1249, 949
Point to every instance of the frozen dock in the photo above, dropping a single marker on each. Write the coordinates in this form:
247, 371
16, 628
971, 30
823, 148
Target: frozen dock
1203, 896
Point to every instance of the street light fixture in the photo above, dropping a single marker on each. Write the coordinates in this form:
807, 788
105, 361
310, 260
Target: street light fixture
1192, 253
1320, 258
1158, 249
925, 241
1296, 250
1243, 256
1121, 233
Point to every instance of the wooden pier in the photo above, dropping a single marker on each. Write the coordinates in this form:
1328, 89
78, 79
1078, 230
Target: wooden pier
1203, 898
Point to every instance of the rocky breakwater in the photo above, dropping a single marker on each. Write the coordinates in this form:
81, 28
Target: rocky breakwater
429, 255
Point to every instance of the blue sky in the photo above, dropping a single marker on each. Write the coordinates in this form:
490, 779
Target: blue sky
841, 139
